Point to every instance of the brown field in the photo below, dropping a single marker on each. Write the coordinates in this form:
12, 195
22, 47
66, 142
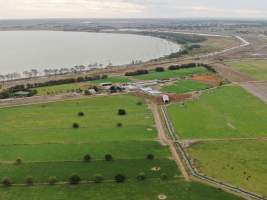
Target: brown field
208, 79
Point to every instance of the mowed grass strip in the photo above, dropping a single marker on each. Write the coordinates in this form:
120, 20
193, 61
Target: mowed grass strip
228, 111
184, 86
69, 152
153, 75
87, 171
52, 122
130, 190
241, 163
254, 68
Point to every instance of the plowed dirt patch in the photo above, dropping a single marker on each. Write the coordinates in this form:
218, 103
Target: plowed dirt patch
208, 79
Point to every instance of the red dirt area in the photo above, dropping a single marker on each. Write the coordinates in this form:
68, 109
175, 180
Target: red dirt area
208, 79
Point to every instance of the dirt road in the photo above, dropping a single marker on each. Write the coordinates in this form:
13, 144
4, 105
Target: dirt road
164, 140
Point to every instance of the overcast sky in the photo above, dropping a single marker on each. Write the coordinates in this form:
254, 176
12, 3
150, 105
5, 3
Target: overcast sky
132, 8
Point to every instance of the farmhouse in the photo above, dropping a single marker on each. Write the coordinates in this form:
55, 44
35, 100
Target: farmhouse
166, 99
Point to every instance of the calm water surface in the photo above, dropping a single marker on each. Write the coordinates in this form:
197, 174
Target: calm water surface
24, 50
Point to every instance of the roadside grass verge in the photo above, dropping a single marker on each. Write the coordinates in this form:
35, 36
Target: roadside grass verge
184, 86
254, 68
131, 190
241, 163
228, 111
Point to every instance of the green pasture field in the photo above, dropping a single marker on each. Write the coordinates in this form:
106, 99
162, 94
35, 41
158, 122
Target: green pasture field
43, 137
62, 170
153, 75
255, 68
130, 190
64, 88
113, 79
241, 163
184, 86
52, 122
228, 111
68, 152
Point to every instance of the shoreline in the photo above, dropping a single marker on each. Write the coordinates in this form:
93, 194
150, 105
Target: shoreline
140, 61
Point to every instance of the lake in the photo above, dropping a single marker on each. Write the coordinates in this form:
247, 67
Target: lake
25, 50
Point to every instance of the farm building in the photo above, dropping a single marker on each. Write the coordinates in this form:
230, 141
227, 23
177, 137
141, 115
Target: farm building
166, 99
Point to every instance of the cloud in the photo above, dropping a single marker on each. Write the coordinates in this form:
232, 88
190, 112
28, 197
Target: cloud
131, 8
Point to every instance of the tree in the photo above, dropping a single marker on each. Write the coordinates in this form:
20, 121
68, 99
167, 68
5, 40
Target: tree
139, 103
80, 114
119, 125
29, 180
159, 69
75, 125
87, 158
99, 178
108, 157
164, 176
74, 179
18, 161
119, 178
150, 157
52, 180
141, 176
7, 181
122, 112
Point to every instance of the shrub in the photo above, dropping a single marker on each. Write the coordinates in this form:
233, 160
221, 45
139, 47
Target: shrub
18, 161
7, 181
141, 176
174, 67
99, 178
121, 112
164, 176
159, 69
29, 180
52, 180
80, 114
75, 125
104, 76
87, 158
108, 157
139, 103
74, 179
136, 73
119, 124
150, 157
119, 178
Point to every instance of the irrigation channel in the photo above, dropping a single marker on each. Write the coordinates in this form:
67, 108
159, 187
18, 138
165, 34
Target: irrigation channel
193, 171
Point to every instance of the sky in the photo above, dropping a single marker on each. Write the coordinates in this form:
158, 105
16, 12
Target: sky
21, 9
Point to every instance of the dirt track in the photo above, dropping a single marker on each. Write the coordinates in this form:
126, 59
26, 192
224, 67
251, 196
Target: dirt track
164, 140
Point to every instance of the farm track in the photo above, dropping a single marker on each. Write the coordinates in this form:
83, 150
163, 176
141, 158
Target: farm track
194, 174
162, 136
